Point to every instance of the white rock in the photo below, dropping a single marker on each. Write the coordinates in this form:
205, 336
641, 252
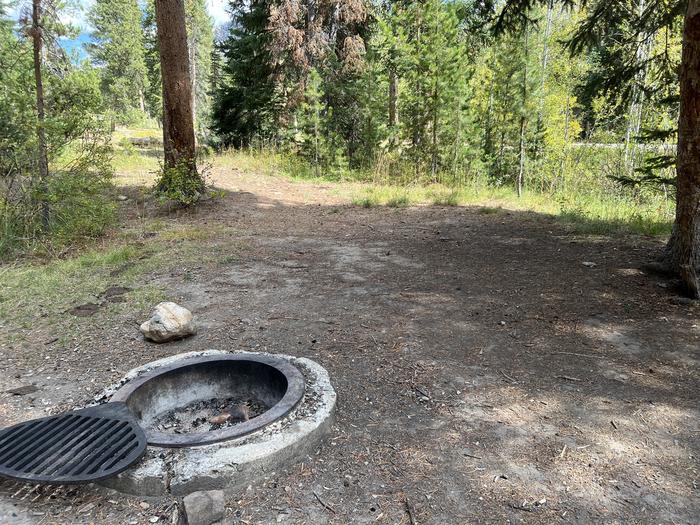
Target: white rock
169, 321
204, 508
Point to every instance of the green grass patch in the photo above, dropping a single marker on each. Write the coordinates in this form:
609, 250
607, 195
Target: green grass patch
272, 163
32, 292
488, 210
398, 201
391, 196
446, 198
590, 207
595, 213
364, 202
135, 167
49, 289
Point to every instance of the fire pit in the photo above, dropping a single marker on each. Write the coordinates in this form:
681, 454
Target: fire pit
221, 420
211, 399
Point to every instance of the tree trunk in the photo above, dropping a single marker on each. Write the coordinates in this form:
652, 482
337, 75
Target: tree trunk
545, 44
43, 160
317, 118
393, 98
636, 106
193, 75
178, 124
540, 152
682, 254
488, 128
521, 154
523, 121
434, 153
567, 123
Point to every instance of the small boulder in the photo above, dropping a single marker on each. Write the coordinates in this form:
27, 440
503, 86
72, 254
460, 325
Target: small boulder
168, 322
204, 508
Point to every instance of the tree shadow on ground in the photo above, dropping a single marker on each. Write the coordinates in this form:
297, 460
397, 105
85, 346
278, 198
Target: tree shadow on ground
453, 334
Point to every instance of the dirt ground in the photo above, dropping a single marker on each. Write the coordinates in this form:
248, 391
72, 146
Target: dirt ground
490, 367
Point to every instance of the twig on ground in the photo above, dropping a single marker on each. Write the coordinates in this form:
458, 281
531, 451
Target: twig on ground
507, 377
582, 355
568, 378
325, 505
409, 511
421, 391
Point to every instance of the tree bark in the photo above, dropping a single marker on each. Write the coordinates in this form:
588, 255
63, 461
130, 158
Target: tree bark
192, 43
434, 152
393, 98
523, 122
43, 158
178, 123
682, 254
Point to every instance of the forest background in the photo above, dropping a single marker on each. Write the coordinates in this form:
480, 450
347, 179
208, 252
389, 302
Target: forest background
421, 101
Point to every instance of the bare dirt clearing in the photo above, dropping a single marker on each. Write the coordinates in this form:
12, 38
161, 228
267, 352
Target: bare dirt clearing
485, 374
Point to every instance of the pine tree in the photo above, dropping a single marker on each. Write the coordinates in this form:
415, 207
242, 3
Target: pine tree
154, 90
17, 100
311, 137
432, 75
118, 48
245, 105
179, 180
200, 43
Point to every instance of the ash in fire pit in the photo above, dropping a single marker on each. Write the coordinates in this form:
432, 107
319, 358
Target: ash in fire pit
209, 414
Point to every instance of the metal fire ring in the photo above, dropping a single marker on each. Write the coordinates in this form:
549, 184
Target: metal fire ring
291, 398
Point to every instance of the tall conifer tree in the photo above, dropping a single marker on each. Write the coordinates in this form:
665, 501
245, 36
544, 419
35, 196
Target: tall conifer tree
245, 106
118, 47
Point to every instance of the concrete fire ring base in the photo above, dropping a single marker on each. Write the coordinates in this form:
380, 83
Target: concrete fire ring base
232, 465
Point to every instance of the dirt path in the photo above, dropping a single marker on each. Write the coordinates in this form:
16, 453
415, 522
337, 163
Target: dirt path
485, 374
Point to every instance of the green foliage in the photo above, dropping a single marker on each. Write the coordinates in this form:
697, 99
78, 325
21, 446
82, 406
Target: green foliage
634, 49
151, 56
314, 136
246, 106
200, 42
434, 86
118, 49
17, 132
75, 192
469, 104
181, 184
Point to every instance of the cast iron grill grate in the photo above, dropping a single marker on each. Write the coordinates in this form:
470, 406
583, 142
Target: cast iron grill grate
74, 447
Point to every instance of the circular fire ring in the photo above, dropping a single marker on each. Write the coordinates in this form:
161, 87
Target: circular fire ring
231, 463
273, 385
